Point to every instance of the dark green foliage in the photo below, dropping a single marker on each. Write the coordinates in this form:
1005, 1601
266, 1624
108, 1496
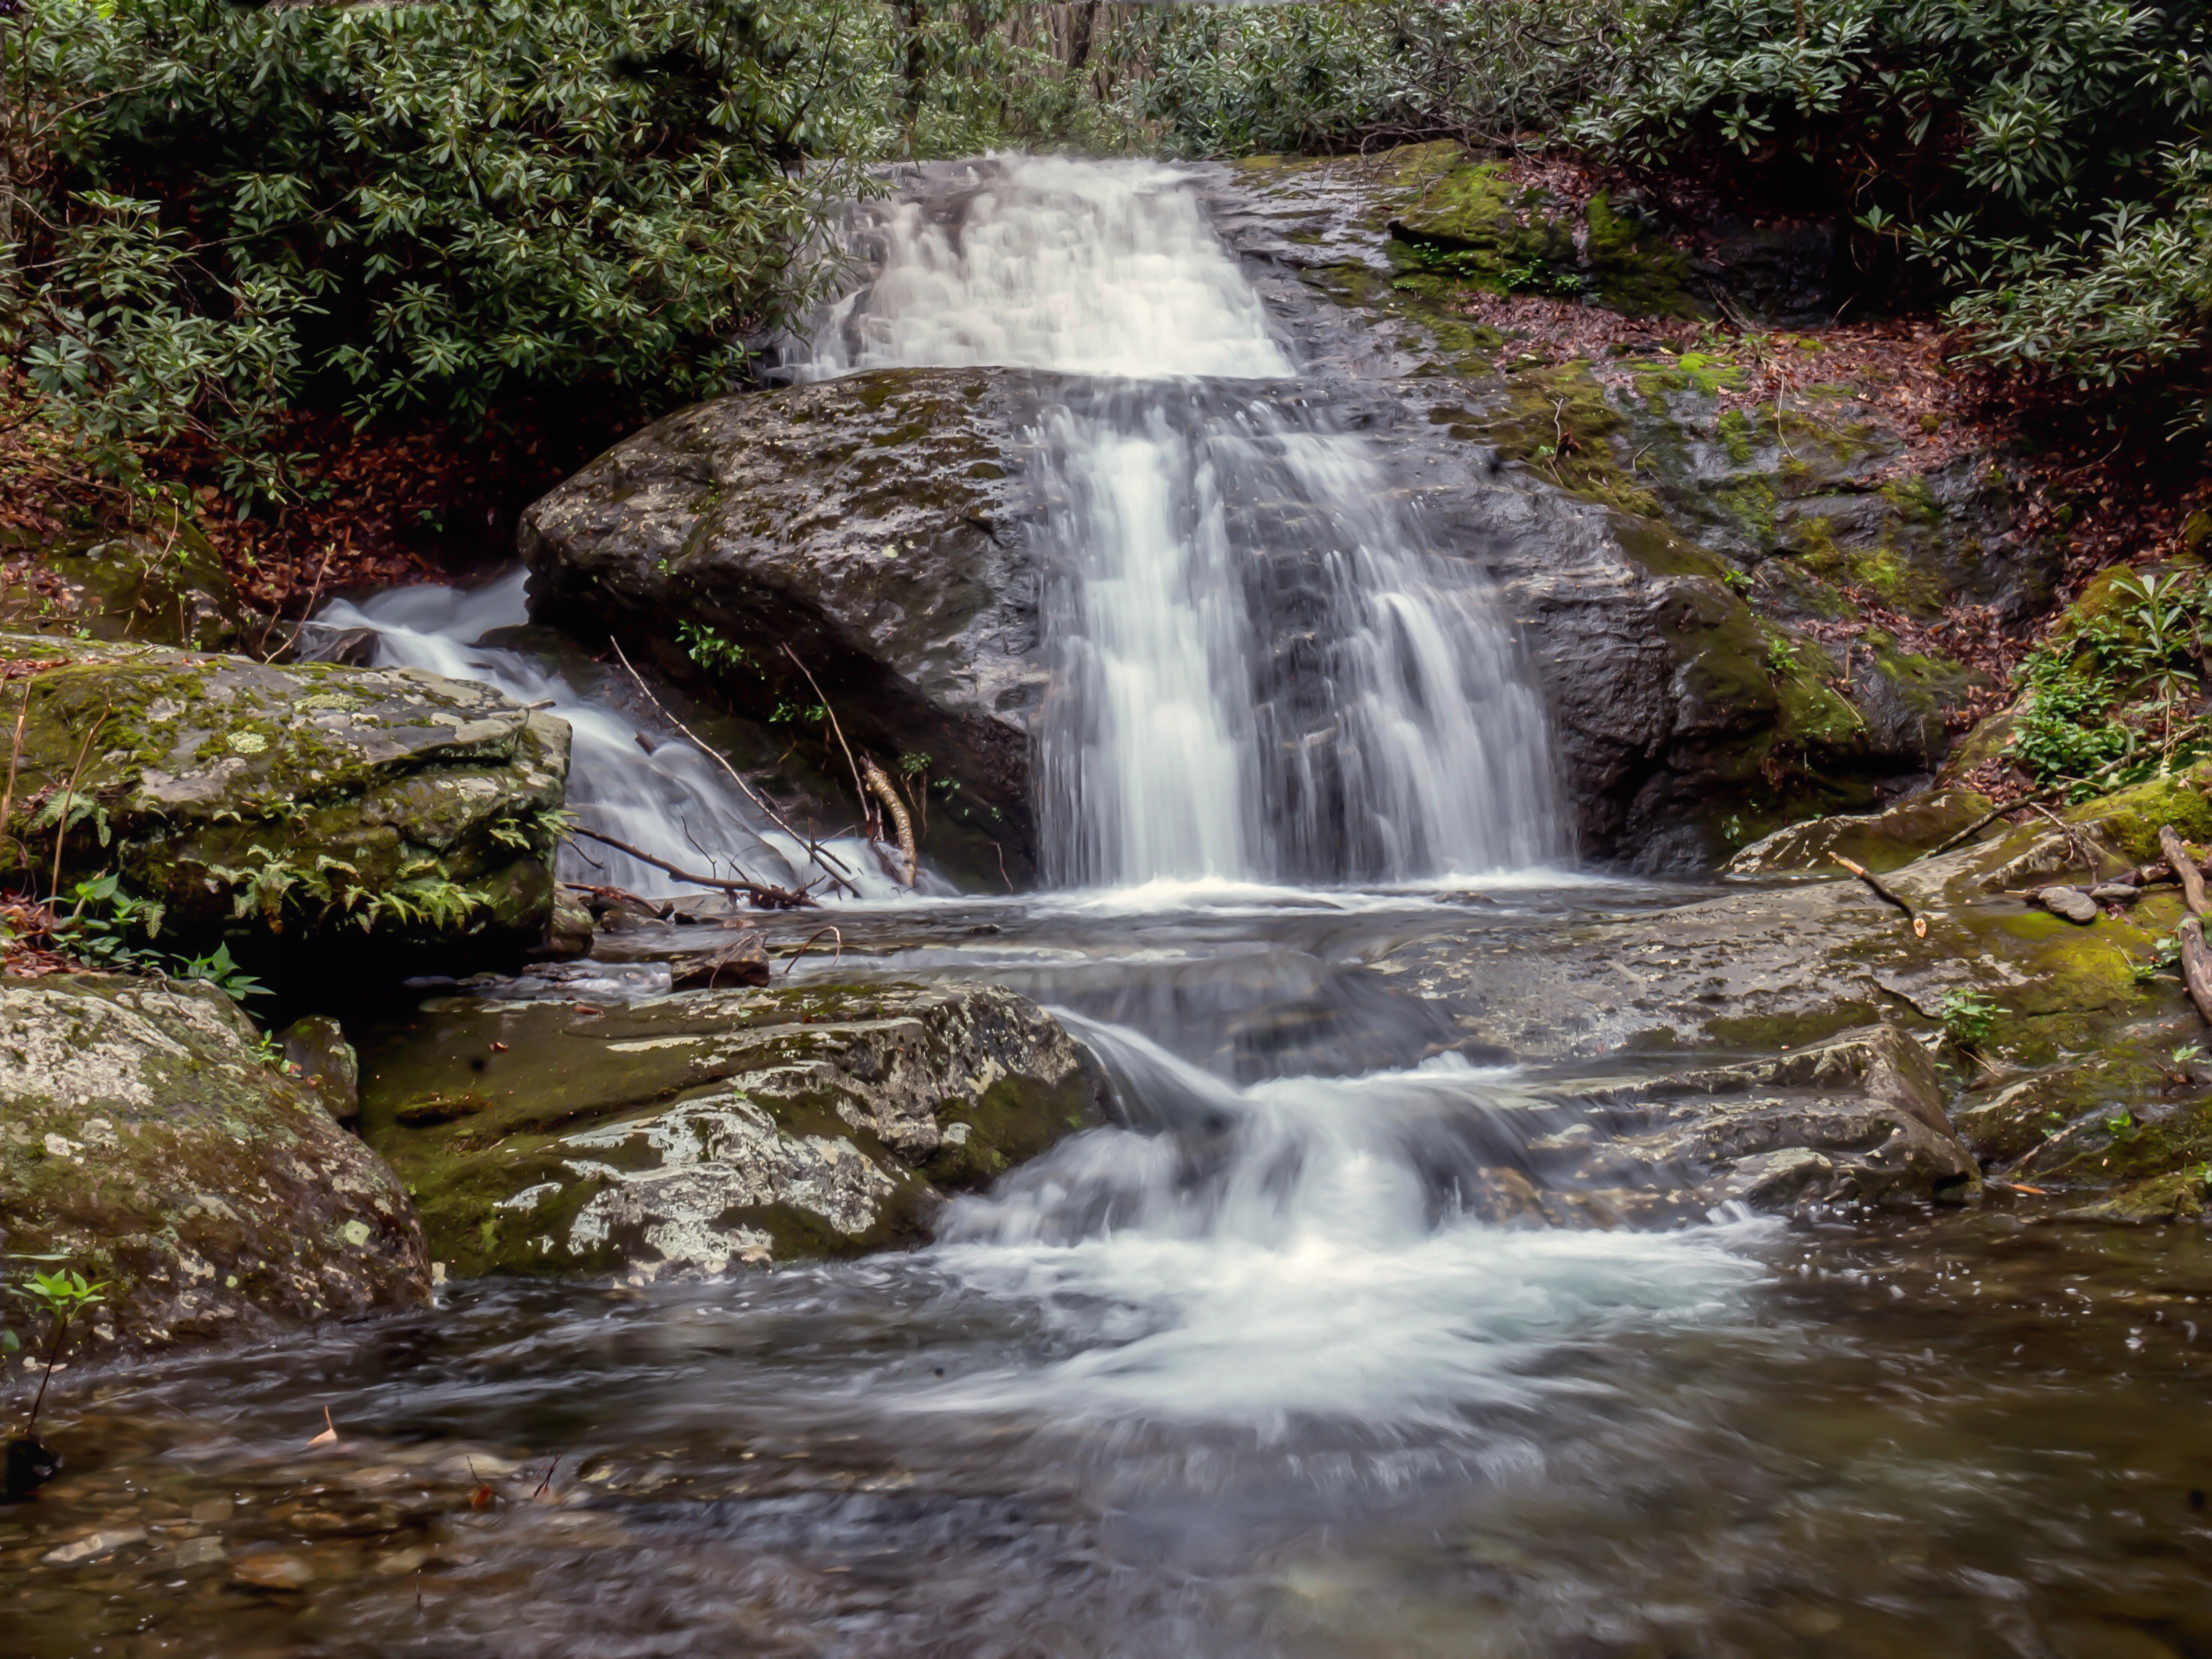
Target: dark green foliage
1238, 80
431, 208
2046, 159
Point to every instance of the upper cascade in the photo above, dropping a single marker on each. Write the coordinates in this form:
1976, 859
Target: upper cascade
1104, 268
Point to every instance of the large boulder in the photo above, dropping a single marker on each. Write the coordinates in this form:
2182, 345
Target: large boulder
684, 1136
146, 1142
287, 803
874, 526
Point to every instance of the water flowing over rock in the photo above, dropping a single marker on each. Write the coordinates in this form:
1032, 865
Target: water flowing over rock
1247, 665
692, 1135
147, 1143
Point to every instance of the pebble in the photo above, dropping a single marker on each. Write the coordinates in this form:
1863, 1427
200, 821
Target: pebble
212, 1511
2070, 902
274, 1571
2115, 892
199, 1553
98, 1543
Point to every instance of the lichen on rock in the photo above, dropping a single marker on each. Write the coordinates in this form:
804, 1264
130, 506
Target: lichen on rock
146, 1142
688, 1134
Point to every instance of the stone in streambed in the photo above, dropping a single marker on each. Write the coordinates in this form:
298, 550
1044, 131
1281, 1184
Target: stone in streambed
688, 1136
2071, 902
2115, 892
145, 1143
1857, 1119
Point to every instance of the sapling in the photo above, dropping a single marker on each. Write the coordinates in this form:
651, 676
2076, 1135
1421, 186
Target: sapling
63, 1295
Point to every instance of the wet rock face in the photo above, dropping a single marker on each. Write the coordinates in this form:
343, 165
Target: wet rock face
872, 524
294, 803
144, 1140
1857, 1119
690, 1135
174, 593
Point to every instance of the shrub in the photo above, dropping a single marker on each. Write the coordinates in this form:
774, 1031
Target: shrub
2046, 161
422, 208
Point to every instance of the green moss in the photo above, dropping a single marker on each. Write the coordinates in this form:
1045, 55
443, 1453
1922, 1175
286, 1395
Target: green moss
2128, 820
1632, 271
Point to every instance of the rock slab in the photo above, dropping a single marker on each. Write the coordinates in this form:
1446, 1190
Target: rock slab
688, 1136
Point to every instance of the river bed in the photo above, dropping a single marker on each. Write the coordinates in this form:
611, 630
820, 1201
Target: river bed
1281, 1406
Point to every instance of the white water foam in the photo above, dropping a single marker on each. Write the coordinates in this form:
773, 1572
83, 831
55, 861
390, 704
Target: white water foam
1265, 1256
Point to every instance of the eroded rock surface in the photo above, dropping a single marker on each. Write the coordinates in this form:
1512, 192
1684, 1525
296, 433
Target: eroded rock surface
687, 1135
299, 801
145, 1141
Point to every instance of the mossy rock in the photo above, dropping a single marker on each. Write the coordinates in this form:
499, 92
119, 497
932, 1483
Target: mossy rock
1888, 839
691, 1134
262, 803
172, 592
147, 1143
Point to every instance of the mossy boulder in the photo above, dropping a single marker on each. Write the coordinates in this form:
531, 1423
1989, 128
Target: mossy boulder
292, 803
169, 590
146, 1141
691, 1134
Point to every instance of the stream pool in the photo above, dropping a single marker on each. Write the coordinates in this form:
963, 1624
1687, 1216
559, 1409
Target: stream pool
1263, 1399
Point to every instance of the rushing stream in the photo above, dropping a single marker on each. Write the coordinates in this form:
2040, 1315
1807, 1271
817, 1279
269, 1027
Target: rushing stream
1246, 1373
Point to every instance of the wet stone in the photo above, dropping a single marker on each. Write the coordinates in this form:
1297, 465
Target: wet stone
2071, 902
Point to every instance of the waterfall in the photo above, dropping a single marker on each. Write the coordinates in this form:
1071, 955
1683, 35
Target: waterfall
1259, 670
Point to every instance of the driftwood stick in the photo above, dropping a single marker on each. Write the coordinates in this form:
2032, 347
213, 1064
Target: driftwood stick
1880, 891
836, 731
792, 960
2196, 966
901, 823
2184, 868
1974, 829
815, 850
766, 897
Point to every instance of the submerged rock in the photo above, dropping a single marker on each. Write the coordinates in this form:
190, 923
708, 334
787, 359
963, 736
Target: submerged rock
295, 802
1886, 839
687, 1135
147, 1143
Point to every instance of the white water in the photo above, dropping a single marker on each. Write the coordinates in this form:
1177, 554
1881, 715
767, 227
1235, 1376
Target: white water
1259, 672
1297, 1250
673, 802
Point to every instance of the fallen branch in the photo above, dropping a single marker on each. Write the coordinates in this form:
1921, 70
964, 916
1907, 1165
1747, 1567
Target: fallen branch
2184, 868
821, 855
1881, 891
881, 784
764, 897
792, 960
2081, 849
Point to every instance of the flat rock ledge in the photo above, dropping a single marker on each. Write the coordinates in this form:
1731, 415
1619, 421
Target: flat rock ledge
689, 1135
1857, 1120
145, 1141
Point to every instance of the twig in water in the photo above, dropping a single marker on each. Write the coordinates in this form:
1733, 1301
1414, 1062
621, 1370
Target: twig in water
763, 895
836, 730
815, 850
792, 960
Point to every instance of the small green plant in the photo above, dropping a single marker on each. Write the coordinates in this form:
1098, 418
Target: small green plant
217, 968
61, 1295
1969, 1019
709, 649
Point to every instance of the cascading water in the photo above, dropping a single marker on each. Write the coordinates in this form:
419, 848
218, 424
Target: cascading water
664, 798
1258, 674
